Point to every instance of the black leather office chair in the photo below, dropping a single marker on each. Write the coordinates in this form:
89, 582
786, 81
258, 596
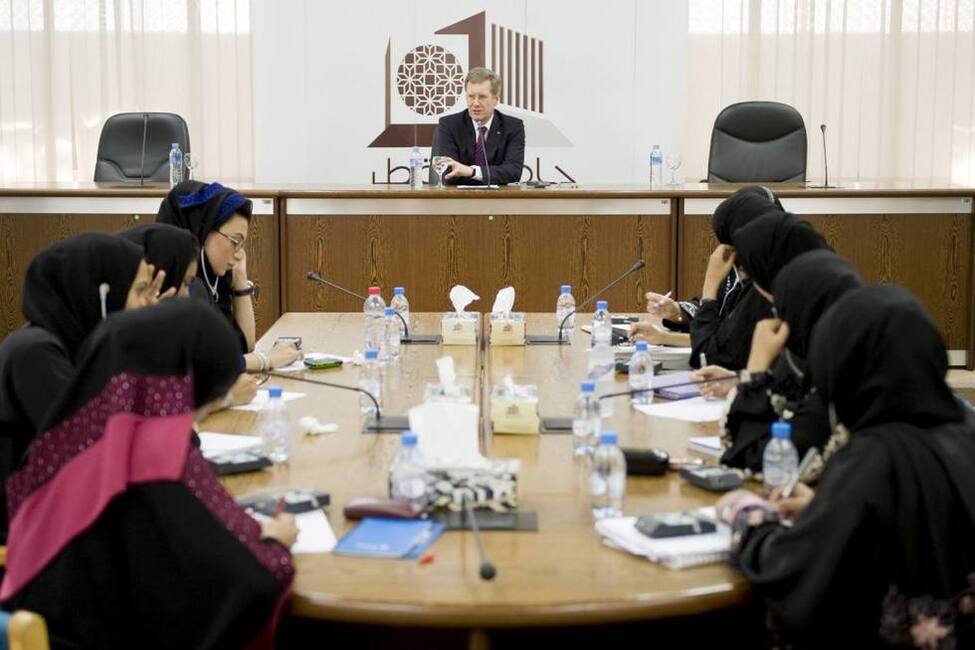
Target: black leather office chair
121, 156
758, 142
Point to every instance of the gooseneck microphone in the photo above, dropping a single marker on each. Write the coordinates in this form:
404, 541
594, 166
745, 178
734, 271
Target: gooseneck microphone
825, 185
425, 339
378, 424
559, 340
487, 571
142, 160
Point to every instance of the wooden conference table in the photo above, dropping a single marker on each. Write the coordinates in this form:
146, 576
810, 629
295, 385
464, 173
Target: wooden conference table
561, 575
919, 235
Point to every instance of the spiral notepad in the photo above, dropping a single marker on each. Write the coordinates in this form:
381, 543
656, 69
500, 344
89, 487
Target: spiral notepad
672, 552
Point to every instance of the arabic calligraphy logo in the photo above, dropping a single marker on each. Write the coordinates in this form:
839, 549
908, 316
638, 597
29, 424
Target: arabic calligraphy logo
429, 79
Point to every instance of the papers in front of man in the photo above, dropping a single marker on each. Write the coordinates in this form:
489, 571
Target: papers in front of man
672, 552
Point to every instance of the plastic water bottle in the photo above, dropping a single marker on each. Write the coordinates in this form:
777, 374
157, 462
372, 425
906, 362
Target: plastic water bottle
602, 362
175, 165
274, 426
641, 374
780, 460
565, 308
408, 480
416, 169
371, 381
391, 343
656, 167
374, 309
607, 481
586, 422
401, 305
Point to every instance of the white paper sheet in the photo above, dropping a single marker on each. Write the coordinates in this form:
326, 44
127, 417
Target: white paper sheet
214, 444
262, 397
315, 534
709, 445
696, 409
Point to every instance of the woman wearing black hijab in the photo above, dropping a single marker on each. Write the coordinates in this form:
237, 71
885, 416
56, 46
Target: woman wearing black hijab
168, 249
718, 327
62, 303
155, 553
220, 217
768, 243
884, 551
778, 385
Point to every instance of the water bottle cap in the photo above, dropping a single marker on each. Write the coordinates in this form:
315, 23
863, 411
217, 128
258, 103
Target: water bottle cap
588, 387
373, 291
607, 438
781, 429
399, 291
641, 346
566, 288
408, 438
656, 146
602, 305
175, 145
372, 355
390, 311
274, 391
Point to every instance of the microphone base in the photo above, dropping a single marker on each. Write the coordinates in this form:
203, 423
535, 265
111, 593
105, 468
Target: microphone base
555, 425
386, 424
822, 187
422, 339
545, 339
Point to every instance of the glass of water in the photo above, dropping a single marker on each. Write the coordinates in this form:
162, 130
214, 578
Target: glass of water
191, 162
673, 163
439, 167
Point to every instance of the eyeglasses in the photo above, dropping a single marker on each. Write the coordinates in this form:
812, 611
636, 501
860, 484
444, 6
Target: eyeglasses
237, 242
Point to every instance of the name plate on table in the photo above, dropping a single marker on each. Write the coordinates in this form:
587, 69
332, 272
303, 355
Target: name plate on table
508, 329
459, 328
518, 416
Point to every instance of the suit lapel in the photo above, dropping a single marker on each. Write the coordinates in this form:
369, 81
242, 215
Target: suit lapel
466, 138
495, 137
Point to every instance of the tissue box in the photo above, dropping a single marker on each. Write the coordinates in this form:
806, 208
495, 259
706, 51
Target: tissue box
514, 411
508, 329
459, 328
493, 486
437, 393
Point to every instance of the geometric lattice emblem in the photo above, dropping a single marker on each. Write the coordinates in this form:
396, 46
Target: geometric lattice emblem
429, 79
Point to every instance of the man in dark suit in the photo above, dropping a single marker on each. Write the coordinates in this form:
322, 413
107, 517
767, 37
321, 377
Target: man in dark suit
481, 145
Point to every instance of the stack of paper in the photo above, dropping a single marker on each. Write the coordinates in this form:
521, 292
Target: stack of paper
672, 552
696, 409
390, 538
213, 445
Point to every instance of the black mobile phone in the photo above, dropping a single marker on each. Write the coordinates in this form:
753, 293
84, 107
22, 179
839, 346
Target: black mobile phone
294, 340
715, 479
674, 524
646, 462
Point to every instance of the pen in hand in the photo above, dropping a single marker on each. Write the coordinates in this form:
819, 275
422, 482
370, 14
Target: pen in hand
800, 472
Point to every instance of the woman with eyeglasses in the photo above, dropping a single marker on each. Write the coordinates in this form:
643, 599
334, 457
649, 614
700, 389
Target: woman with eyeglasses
220, 218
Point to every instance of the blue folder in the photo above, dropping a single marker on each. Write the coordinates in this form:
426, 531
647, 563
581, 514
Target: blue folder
389, 538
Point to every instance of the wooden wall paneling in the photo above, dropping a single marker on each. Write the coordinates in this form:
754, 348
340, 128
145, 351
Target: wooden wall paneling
429, 254
23, 235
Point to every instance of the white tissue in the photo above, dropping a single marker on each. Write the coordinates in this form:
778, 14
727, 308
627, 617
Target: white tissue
461, 296
447, 373
447, 434
504, 301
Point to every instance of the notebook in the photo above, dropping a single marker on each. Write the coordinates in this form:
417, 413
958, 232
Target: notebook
662, 386
389, 538
672, 552
707, 445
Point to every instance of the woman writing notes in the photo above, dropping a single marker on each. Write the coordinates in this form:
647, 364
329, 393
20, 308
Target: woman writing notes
155, 553
883, 552
721, 322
